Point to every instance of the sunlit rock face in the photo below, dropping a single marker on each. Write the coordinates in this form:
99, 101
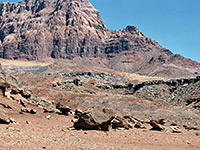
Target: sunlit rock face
74, 30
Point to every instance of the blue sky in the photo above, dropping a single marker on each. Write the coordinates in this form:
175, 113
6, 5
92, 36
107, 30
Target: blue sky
174, 24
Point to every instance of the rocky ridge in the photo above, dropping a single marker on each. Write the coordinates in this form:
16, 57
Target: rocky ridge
74, 30
184, 92
178, 91
78, 86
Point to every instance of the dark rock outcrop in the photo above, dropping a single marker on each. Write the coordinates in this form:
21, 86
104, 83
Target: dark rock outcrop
66, 29
185, 92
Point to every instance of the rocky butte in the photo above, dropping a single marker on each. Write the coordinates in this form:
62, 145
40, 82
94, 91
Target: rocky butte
74, 30
47, 105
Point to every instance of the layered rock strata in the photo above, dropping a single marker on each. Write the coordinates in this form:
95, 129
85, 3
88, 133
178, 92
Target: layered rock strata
74, 30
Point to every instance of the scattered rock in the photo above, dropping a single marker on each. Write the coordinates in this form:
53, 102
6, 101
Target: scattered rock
145, 121
72, 134
131, 119
173, 124
4, 118
7, 94
161, 121
189, 143
130, 125
51, 110
6, 106
27, 110
156, 126
76, 82
4, 85
119, 122
191, 128
4, 121
21, 102
175, 129
28, 122
70, 128
95, 119
75, 120
25, 94
139, 125
12, 120
48, 117
15, 91
33, 111
64, 109
121, 128
197, 134
78, 112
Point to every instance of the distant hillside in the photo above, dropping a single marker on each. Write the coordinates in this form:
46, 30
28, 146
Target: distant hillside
74, 30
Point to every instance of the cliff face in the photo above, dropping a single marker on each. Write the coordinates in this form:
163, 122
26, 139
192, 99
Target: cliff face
37, 29
73, 29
